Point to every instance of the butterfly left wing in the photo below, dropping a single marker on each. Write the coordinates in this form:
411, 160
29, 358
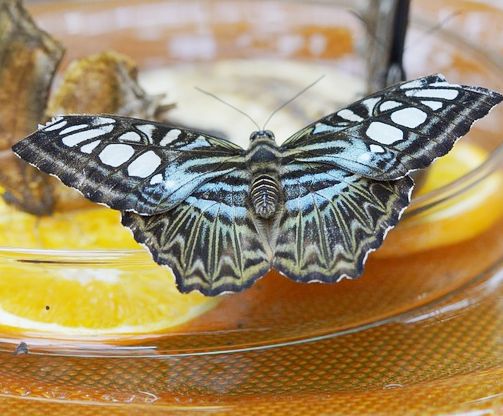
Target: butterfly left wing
129, 164
390, 133
212, 241
332, 219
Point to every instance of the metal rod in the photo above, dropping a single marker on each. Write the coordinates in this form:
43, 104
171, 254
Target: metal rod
387, 24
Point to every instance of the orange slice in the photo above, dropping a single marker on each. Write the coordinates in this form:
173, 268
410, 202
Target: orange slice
94, 302
86, 301
460, 217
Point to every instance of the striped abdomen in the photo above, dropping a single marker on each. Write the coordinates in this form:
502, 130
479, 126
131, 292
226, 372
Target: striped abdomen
262, 160
264, 193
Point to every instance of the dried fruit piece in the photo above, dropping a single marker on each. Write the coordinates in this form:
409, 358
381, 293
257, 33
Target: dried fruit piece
103, 83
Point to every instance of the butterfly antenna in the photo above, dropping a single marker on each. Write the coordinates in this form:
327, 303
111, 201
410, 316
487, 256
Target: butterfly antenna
229, 104
312, 84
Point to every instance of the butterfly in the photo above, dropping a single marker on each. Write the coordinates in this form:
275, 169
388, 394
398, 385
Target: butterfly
221, 217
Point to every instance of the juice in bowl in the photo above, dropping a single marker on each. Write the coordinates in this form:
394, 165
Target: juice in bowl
104, 324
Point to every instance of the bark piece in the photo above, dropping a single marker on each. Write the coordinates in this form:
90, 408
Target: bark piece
28, 61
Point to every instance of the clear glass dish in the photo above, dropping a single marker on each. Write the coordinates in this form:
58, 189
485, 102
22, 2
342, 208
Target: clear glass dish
281, 322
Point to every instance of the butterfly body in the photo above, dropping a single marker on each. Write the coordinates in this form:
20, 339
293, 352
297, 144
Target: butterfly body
221, 217
263, 160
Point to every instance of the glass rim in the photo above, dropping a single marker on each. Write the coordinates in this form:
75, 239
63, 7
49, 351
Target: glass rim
482, 283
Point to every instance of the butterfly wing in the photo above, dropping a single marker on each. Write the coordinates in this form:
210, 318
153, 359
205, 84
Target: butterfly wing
126, 163
345, 180
388, 134
332, 219
212, 241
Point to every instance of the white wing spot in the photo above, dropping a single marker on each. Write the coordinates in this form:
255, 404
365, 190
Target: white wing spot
349, 115
89, 147
144, 165
446, 94
73, 128
56, 126
409, 117
102, 120
130, 136
384, 133
370, 103
323, 128
156, 179
375, 148
434, 105
389, 105
412, 84
148, 129
364, 157
116, 154
76, 138
444, 84
170, 137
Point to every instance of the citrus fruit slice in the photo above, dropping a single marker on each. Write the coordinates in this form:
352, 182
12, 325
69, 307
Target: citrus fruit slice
94, 228
457, 219
94, 301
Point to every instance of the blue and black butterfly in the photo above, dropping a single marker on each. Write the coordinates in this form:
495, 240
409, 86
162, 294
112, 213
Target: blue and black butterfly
220, 216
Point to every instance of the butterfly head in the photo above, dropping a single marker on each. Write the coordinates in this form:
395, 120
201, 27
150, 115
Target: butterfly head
262, 135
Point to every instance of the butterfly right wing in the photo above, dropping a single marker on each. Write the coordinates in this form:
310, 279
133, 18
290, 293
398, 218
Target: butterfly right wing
212, 240
126, 163
393, 132
332, 219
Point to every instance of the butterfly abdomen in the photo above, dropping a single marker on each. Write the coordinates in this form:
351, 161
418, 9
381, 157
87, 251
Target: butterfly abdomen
264, 193
263, 160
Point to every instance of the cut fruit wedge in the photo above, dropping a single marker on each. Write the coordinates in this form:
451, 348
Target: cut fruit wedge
87, 229
94, 303
459, 218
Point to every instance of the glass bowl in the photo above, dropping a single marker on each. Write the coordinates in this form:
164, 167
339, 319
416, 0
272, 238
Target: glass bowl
280, 337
